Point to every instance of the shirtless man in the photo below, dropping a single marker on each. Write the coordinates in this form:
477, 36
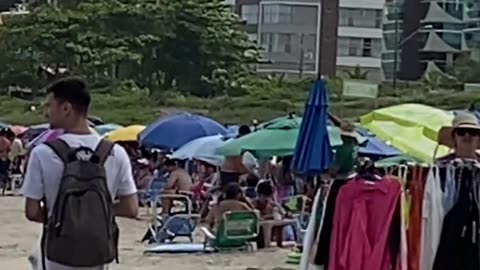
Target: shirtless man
179, 180
233, 166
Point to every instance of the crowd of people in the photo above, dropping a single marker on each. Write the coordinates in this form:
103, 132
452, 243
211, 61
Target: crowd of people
12, 157
58, 171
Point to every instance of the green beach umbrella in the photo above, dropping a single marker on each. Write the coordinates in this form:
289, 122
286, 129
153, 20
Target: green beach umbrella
277, 138
396, 160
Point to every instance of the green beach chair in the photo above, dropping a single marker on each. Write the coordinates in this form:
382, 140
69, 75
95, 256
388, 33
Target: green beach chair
235, 232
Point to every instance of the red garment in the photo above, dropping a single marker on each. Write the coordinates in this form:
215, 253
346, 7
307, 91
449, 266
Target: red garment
414, 232
363, 225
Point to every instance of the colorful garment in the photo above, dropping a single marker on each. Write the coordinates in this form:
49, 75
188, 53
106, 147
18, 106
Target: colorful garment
363, 224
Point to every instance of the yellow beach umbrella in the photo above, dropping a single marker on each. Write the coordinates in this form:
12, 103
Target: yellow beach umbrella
125, 134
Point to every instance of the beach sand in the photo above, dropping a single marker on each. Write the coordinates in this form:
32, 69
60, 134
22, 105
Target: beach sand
18, 236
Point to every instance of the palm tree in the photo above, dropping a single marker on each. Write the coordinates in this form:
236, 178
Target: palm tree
356, 73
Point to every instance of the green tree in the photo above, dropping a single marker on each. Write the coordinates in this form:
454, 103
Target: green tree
196, 46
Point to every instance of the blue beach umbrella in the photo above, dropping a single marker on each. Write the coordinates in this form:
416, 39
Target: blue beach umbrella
375, 147
313, 152
173, 131
202, 149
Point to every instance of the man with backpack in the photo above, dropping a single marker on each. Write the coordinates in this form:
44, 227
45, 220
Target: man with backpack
71, 184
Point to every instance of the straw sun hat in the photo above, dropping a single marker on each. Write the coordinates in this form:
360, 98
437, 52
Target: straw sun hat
348, 130
460, 121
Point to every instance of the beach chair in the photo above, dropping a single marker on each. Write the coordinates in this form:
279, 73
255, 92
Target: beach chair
179, 224
166, 231
149, 197
235, 232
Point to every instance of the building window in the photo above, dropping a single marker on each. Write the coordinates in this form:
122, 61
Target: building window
277, 14
252, 37
276, 42
266, 41
367, 47
250, 14
359, 47
358, 17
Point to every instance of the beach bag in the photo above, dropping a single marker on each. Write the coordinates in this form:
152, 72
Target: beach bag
81, 231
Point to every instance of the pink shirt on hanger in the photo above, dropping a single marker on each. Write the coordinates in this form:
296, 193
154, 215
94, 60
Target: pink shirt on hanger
362, 228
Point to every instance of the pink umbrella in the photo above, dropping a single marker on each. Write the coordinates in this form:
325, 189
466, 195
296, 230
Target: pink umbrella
18, 130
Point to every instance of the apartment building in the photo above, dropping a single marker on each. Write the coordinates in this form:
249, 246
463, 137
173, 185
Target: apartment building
288, 32
472, 29
360, 37
430, 36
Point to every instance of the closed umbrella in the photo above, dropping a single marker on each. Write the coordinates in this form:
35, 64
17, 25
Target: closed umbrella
202, 149
313, 152
173, 131
126, 134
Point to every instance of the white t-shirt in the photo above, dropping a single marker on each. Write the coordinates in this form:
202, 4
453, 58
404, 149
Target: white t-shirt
45, 169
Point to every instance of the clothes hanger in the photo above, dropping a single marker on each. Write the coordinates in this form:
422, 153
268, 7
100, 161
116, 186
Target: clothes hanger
366, 170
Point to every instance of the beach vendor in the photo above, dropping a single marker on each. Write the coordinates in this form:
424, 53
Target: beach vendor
462, 137
346, 155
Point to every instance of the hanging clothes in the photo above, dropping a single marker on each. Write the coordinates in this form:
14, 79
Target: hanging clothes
311, 232
459, 244
414, 232
365, 233
450, 193
433, 214
322, 252
405, 217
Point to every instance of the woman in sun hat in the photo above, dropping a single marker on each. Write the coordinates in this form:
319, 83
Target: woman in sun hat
346, 155
463, 137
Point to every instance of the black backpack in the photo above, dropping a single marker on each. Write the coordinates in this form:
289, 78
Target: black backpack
81, 231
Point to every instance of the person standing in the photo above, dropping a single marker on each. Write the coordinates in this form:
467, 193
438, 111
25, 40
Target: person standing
66, 174
233, 167
463, 137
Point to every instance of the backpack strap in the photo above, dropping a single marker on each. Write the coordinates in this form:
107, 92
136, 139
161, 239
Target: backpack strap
61, 149
103, 150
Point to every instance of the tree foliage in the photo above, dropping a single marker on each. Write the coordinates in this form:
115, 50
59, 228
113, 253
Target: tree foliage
193, 45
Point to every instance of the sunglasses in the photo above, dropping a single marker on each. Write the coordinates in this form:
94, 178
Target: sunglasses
465, 131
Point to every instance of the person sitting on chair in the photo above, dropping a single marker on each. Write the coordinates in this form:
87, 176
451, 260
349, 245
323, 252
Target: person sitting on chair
233, 200
178, 181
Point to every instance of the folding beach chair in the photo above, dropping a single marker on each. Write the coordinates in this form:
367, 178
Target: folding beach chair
149, 197
235, 232
179, 224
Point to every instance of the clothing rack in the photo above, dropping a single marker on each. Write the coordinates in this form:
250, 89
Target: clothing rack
449, 190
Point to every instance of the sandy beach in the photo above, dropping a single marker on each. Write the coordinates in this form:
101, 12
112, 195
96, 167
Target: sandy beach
19, 235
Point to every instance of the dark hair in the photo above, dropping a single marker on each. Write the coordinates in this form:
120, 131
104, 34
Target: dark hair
232, 190
72, 90
265, 188
170, 162
243, 130
252, 180
10, 134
